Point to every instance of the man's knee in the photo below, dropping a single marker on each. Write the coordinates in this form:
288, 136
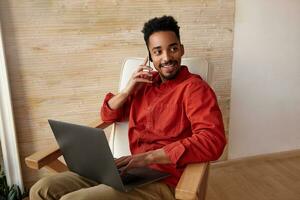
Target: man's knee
43, 189
73, 195
95, 193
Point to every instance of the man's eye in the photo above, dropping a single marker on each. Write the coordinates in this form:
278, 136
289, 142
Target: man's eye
173, 49
156, 52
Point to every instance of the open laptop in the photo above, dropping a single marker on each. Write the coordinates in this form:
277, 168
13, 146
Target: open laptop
87, 153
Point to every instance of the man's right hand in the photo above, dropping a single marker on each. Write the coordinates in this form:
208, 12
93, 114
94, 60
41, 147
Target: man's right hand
139, 77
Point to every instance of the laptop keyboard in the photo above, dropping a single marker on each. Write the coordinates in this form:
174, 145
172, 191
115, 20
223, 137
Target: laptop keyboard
128, 178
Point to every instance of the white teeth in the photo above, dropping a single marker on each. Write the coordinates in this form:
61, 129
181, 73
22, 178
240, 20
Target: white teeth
168, 65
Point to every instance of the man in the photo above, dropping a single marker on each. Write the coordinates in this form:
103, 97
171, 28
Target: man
174, 120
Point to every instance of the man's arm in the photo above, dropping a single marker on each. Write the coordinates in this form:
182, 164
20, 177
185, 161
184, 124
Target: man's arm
112, 110
118, 100
208, 140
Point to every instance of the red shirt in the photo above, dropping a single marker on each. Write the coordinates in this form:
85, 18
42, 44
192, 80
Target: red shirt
180, 115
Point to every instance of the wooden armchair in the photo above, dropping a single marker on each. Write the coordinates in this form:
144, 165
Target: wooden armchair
193, 182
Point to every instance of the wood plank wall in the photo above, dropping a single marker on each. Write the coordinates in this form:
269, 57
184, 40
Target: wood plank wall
63, 56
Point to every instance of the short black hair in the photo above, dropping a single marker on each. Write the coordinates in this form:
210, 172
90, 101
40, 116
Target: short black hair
164, 23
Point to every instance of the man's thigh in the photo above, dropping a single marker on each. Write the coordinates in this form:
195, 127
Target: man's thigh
152, 191
55, 186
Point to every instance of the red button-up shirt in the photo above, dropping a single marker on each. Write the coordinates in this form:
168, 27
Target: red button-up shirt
180, 115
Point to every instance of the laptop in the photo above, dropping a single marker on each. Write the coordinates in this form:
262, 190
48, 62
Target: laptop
87, 153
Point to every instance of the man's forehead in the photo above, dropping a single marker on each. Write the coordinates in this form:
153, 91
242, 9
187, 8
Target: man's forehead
163, 38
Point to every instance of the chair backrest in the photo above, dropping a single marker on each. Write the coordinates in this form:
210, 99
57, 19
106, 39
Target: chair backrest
119, 136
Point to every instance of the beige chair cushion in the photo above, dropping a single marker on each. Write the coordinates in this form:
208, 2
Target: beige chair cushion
119, 136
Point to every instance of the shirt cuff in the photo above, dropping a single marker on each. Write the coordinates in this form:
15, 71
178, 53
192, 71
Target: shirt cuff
174, 151
108, 114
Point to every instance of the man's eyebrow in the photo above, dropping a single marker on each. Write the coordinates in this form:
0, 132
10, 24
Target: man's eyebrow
154, 48
173, 44
159, 47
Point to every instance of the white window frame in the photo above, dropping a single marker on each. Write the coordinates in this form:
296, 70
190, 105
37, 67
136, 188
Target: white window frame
8, 137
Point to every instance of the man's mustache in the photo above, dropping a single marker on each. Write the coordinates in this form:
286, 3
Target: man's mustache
171, 62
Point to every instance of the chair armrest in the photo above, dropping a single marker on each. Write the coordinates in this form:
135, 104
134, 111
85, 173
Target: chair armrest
50, 155
193, 181
42, 158
99, 124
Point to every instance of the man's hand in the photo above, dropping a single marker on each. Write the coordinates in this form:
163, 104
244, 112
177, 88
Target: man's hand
142, 160
127, 162
141, 75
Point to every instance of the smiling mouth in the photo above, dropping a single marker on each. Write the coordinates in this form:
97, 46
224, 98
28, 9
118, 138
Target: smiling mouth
168, 64
169, 67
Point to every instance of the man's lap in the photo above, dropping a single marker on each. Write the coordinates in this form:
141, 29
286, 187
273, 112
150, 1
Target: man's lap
68, 185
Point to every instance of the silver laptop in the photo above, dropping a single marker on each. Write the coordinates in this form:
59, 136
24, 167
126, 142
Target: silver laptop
87, 153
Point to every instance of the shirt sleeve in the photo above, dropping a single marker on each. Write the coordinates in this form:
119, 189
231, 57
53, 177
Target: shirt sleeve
208, 140
114, 115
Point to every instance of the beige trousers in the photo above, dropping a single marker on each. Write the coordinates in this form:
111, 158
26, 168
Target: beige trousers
70, 186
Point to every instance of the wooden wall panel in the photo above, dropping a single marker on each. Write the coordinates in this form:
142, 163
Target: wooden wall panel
63, 56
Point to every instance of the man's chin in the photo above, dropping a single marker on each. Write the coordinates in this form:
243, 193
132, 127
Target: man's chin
170, 76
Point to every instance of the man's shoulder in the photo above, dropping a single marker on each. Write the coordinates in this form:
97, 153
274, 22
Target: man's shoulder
195, 80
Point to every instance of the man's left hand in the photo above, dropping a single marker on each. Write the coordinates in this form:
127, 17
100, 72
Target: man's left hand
142, 160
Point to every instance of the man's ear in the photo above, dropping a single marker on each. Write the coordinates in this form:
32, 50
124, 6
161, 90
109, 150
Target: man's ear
182, 49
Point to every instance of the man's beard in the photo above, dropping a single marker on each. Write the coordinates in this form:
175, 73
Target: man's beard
171, 76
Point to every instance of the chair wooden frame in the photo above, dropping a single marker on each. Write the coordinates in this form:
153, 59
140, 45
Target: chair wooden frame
191, 186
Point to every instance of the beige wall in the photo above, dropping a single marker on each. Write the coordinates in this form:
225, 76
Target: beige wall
265, 109
63, 56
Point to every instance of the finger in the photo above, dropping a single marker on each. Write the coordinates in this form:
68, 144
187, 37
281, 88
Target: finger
142, 73
123, 162
127, 167
120, 160
141, 80
144, 68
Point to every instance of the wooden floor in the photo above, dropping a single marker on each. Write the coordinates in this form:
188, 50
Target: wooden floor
274, 177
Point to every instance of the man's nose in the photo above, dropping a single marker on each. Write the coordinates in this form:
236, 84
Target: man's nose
166, 56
